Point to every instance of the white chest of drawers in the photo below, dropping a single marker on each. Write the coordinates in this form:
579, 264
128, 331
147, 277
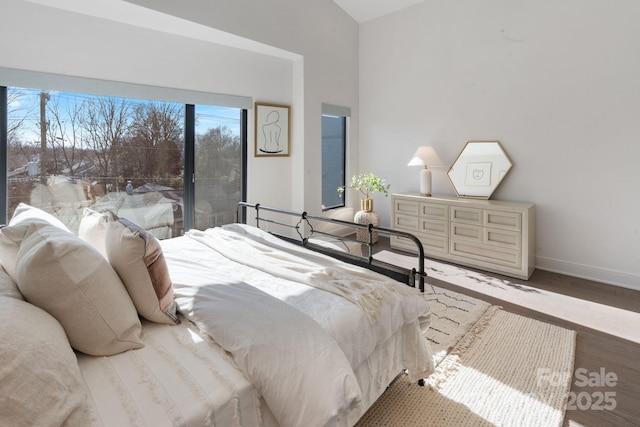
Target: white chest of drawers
492, 235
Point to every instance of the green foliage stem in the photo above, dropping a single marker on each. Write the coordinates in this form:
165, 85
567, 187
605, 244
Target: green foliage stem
367, 184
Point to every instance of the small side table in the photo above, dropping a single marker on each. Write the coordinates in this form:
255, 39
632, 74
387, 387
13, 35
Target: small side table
366, 218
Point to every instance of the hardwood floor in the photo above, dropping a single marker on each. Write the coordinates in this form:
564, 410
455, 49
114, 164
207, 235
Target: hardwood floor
606, 384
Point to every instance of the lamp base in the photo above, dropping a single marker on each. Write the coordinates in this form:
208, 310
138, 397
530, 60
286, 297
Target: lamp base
425, 182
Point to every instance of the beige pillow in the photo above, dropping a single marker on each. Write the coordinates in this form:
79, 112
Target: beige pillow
137, 257
93, 228
11, 236
26, 213
8, 287
342, 214
66, 277
40, 382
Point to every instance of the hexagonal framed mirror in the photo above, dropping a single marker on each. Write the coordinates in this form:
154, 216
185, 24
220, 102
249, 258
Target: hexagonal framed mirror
479, 169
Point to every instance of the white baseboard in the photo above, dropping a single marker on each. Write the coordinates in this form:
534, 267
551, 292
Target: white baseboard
611, 277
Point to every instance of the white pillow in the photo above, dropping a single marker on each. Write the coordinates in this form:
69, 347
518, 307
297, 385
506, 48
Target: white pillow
40, 381
137, 257
93, 229
11, 236
62, 274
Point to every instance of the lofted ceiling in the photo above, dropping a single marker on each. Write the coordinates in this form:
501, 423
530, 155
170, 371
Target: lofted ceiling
365, 10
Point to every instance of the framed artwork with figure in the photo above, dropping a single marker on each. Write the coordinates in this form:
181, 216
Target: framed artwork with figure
272, 130
478, 174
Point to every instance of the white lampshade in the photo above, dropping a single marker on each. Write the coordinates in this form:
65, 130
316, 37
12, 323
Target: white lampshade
425, 156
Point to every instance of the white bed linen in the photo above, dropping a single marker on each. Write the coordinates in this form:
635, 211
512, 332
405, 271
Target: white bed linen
180, 378
258, 249
192, 267
183, 378
297, 368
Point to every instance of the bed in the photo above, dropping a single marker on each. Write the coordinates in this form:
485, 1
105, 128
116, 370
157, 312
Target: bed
230, 326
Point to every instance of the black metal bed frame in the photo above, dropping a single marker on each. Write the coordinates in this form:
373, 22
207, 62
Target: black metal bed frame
305, 230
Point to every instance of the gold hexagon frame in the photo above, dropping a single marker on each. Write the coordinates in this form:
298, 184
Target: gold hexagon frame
479, 169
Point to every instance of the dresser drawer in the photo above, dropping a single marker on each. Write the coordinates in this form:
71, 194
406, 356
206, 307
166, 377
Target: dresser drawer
403, 243
434, 226
488, 236
406, 223
488, 254
503, 220
406, 207
432, 245
503, 238
466, 215
471, 233
435, 210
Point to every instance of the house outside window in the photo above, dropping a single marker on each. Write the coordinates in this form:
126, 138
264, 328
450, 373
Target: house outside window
334, 149
69, 151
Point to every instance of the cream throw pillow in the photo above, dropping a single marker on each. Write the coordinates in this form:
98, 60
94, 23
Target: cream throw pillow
342, 214
10, 237
8, 287
26, 213
137, 257
70, 280
40, 381
93, 229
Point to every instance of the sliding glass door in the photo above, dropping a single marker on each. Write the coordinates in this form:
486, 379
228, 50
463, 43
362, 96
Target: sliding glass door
218, 165
68, 151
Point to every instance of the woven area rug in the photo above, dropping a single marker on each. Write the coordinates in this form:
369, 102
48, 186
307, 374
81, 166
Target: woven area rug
487, 373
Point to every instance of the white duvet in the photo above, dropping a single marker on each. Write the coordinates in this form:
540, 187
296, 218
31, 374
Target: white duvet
296, 323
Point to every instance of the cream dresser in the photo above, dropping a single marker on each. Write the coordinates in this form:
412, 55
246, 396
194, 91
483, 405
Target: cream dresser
490, 235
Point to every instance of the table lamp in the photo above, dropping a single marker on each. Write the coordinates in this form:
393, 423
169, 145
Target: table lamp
424, 156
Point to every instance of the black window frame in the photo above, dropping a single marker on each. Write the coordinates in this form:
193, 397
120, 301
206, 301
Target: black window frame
343, 165
4, 119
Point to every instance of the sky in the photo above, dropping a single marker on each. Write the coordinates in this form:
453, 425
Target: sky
27, 105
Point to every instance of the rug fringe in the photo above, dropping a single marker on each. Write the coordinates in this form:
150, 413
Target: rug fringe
450, 363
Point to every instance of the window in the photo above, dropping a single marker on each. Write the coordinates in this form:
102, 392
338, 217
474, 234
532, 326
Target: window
218, 166
334, 146
69, 151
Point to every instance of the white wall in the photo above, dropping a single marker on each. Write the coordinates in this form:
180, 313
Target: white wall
284, 54
326, 40
556, 82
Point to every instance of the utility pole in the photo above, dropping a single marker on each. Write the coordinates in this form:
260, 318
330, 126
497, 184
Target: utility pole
44, 97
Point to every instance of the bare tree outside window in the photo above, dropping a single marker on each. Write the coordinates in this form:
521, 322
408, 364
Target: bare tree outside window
64, 136
19, 109
106, 123
155, 146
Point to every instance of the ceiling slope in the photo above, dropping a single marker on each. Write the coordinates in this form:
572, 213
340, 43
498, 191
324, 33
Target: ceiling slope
365, 10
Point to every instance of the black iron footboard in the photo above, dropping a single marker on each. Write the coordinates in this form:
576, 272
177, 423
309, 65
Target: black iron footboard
307, 228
